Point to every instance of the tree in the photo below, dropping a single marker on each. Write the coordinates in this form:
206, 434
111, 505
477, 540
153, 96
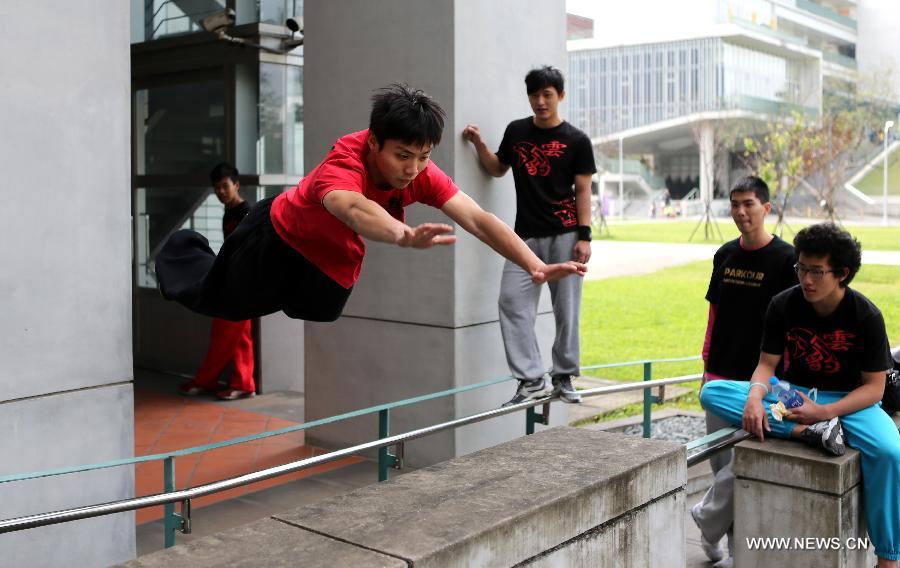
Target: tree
819, 153
783, 156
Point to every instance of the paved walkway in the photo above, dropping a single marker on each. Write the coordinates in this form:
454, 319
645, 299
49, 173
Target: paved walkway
623, 258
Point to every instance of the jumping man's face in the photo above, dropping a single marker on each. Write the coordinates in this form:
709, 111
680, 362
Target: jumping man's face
397, 163
227, 191
748, 212
545, 102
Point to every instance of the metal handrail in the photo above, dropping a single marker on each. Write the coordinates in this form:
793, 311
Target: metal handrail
715, 443
184, 496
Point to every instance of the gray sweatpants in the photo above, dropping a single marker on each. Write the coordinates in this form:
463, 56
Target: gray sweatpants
518, 311
716, 512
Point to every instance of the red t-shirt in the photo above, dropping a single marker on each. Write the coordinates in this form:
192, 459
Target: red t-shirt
301, 220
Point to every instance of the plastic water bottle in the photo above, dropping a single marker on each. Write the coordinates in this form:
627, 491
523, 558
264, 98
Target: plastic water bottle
785, 393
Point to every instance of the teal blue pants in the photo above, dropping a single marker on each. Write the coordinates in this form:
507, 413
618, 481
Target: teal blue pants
870, 430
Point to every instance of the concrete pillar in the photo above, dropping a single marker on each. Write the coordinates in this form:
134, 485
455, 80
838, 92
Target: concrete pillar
707, 147
65, 248
423, 321
788, 490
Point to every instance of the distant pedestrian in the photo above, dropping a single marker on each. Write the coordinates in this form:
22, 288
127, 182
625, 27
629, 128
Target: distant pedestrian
229, 341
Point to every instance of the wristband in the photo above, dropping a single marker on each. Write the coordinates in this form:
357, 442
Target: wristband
765, 388
584, 233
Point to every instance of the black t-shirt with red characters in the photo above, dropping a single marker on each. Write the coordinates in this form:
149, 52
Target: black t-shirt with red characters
545, 162
826, 352
233, 217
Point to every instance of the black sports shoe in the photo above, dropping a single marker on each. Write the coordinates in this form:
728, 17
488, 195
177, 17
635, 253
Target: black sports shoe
562, 385
828, 435
530, 390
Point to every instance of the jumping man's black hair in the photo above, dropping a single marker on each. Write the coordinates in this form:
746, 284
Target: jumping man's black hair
406, 114
842, 249
546, 76
223, 170
754, 184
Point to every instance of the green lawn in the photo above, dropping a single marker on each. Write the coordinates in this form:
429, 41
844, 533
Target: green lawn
663, 315
871, 237
873, 183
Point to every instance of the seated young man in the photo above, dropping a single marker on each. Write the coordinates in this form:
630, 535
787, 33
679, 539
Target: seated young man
301, 252
834, 340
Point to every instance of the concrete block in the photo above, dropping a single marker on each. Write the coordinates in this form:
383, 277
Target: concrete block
281, 356
785, 489
642, 537
797, 465
268, 543
507, 504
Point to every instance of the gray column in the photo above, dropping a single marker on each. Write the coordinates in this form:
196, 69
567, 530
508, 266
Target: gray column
423, 321
65, 283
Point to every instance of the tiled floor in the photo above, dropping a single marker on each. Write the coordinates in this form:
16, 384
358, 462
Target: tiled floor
165, 422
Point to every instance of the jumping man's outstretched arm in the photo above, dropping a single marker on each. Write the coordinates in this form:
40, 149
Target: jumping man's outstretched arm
497, 235
370, 220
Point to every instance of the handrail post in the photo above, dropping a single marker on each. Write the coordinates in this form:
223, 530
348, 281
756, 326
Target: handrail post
171, 521
648, 399
385, 460
530, 420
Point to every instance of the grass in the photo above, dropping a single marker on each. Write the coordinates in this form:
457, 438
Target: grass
871, 237
872, 183
663, 315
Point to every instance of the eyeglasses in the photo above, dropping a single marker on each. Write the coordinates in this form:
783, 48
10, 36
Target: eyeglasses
816, 273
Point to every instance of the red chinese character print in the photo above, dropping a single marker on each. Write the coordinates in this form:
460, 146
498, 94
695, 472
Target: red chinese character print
534, 158
818, 352
566, 212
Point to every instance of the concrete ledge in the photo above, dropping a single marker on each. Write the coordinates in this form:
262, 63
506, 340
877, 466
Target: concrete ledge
785, 462
564, 495
267, 543
506, 504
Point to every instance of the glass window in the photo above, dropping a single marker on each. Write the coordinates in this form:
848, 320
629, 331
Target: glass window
162, 211
277, 11
280, 144
166, 18
180, 128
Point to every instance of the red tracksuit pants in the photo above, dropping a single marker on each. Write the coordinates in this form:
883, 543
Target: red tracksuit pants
228, 341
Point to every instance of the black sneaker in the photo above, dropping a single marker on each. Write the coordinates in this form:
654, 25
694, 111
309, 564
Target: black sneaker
562, 385
530, 390
828, 435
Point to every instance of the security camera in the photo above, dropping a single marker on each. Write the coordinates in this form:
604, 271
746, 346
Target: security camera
295, 27
217, 22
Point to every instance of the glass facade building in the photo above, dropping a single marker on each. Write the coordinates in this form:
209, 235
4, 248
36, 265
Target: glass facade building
620, 88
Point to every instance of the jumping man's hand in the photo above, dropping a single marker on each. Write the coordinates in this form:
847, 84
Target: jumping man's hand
551, 272
427, 235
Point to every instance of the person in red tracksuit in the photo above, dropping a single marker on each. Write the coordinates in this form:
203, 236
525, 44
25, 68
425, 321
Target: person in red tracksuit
229, 341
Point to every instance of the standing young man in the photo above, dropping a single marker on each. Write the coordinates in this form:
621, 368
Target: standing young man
747, 273
229, 341
834, 340
552, 163
302, 251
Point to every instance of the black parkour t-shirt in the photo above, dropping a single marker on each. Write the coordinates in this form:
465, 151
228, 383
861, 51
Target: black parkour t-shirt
545, 162
742, 284
233, 216
827, 352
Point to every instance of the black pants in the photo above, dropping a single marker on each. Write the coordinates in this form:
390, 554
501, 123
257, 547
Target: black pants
255, 273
